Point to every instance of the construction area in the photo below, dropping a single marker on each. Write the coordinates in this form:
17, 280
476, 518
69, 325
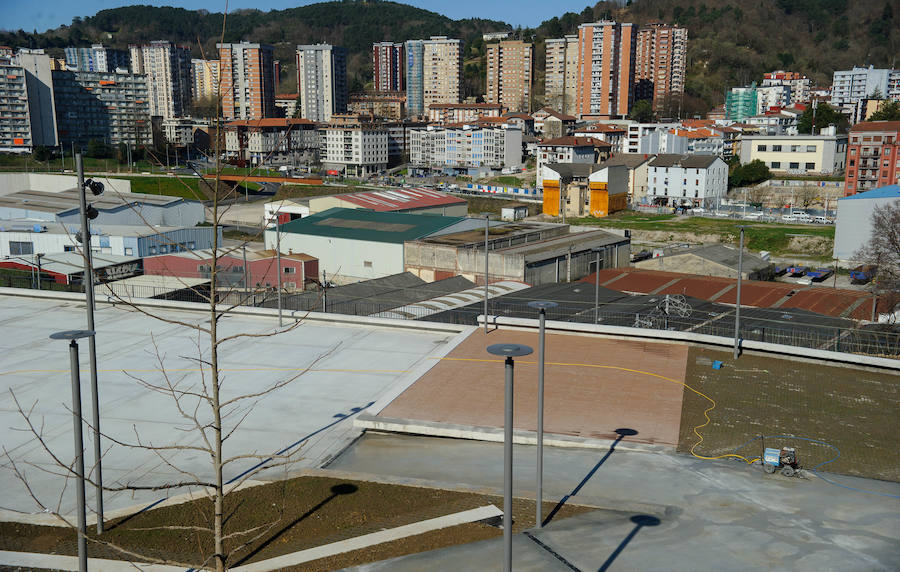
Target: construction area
652, 440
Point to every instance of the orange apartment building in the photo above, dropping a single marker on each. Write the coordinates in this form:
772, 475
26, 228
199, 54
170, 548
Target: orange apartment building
509, 71
660, 60
873, 156
606, 58
247, 80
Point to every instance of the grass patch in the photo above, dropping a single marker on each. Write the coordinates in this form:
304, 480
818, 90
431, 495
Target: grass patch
301, 513
853, 409
243, 236
184, 187
508, 181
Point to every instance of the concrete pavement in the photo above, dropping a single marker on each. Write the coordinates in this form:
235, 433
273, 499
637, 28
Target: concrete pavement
713, 515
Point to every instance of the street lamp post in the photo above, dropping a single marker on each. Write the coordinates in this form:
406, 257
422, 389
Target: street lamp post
487, 225
737, 311
509, 351
543, 306
75, 375
597, 285
278, 255
38, 256
89, 212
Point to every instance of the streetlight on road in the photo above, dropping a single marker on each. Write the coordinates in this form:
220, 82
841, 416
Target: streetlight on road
509, 351
597, 251
737, 311
543, 306
75, 375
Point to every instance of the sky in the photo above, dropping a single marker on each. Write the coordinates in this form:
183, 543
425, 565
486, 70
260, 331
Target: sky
44, 14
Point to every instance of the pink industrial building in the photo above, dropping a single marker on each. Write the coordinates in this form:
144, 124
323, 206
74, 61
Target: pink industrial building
297, 269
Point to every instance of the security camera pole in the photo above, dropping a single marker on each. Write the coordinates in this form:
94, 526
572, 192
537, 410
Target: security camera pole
88, 282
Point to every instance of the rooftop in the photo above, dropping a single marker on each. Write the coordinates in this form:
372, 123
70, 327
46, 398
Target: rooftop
876, 126
68, 200
369, 225
400, 199
887, 192
684, 161
570, 141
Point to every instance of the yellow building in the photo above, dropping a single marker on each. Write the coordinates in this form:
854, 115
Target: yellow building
584, 189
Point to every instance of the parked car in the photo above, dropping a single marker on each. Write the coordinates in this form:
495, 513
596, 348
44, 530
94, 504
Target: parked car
698, 210
822, 220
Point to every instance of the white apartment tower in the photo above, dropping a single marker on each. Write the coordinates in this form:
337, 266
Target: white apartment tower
322, 81
168, 71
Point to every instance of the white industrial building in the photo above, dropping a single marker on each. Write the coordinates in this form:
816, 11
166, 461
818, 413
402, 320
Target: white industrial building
853, 227
356, 244
686, 180
466, 147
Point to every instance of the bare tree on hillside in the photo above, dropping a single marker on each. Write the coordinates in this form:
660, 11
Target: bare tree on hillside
209, 411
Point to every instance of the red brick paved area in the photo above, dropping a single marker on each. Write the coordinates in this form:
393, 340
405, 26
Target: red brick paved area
579, 400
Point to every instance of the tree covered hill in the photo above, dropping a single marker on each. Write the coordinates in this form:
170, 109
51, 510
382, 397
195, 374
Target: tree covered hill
731, 42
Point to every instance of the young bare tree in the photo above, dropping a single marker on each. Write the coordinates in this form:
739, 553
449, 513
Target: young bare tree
807, 196
883, 250
211, 415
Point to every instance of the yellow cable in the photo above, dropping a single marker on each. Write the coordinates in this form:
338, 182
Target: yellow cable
700, 393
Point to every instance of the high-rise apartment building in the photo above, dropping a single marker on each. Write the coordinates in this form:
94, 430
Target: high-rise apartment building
322, 81
415, 87
97, 58
15, 123
606, 53
168, 71
39, 87
509, 72
387, 63
247, 80
873, 156
206, 78
109, 107
849, 87
741, 103
434, 70
660, 60
561, 73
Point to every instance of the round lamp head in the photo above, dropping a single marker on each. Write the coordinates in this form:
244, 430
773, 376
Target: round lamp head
542, 304
509, 350
71, 334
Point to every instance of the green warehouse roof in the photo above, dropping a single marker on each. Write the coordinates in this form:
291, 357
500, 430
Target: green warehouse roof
359, 224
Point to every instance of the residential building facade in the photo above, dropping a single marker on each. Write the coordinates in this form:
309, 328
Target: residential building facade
850, 86
564, 150
111, 107
686, 180
873, 156
271, 140
415, 69
561, 73
741, 102
606, 52
509, 73
796, 154
97, 58
798, 84
247, 78
458, 148
206, 78
462, 112
27, 107
387, 66
660, 60
355, 147
168, 70
322, 81
386, 104
441, 71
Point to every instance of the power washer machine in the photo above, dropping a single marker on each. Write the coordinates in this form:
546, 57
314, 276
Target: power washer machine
784, 459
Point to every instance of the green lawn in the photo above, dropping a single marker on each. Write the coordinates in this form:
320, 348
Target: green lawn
184, 187
9, 162
773, 237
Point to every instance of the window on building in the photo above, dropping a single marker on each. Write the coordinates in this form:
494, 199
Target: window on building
776, 148
290, 270
129, 251
761, 148
68, 248
810, 148
810, 166
16, 247
794, 165
775, 165
852, 162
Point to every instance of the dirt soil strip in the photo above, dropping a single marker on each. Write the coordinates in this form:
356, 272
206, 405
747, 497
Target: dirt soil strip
366, 540
853, 409
592, 387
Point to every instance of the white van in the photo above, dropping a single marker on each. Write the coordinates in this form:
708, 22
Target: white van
788, 218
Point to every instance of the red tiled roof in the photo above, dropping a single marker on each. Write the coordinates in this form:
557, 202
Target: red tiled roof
573, 142
389, 200
876, 126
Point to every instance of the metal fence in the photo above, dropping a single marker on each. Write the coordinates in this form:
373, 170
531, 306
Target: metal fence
798, 329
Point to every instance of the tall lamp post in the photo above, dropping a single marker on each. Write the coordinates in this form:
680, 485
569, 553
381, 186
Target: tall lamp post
597, 251
737, 311
509, 351
88, 212
487, 225
543, 306
75, 375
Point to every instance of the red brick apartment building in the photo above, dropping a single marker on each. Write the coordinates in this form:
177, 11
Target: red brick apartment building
873, 156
